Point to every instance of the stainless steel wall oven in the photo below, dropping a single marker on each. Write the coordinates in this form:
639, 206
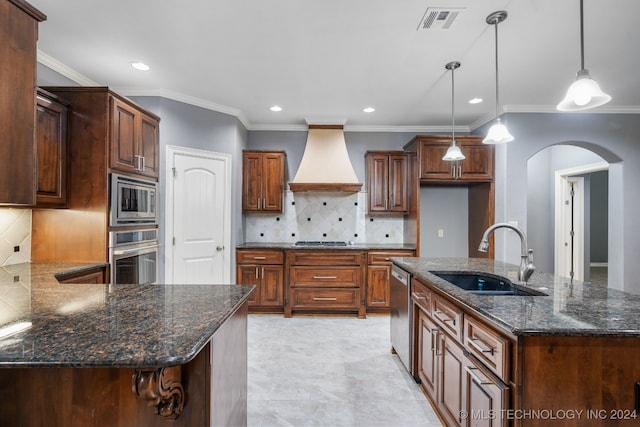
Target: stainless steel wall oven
133, 255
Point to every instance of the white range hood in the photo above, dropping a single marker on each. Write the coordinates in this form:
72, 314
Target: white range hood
325, 164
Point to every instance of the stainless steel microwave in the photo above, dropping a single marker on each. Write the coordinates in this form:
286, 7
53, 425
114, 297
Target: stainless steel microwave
133, 201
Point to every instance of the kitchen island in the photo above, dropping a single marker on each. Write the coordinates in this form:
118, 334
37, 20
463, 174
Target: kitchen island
101, 355
566, 357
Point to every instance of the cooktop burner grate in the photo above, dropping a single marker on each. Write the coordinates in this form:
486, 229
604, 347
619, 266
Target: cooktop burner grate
319, 243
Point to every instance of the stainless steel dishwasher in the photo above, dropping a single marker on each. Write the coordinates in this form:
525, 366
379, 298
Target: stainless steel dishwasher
400, 302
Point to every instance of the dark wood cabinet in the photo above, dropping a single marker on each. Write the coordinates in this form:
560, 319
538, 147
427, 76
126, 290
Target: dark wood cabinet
51, 137
325, 281
262, 181
19, 35
134, 139
387, 181
96, 275
378, 278
263, 268
478, 165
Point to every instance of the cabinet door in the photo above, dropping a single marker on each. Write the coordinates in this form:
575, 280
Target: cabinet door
250, 275
251, 182
378, 182
478, 162
451, 385
428, 359
377, 293
272, 181
432, 167
123, 137
485, 396
272, 286
51, 137
398, 183
149, 145
19, 34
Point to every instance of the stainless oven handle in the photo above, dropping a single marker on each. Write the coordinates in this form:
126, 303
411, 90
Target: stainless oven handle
133, 250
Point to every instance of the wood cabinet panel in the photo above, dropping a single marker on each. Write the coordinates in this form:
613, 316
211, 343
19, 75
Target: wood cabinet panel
427, 358
325, 299
324, 257
488, 346
150, 145
387, 181
310, 276
448, 316
264, 269
19, 35
485, 397
51, 137
451, 385
262, 181
378, 291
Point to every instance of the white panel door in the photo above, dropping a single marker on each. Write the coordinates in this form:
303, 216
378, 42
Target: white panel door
200, 204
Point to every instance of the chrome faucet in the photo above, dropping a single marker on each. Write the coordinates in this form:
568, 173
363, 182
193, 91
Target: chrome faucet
526, 255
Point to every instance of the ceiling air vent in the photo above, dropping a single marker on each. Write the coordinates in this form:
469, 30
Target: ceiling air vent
438, 18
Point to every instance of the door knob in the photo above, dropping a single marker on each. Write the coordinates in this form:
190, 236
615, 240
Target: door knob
219, 248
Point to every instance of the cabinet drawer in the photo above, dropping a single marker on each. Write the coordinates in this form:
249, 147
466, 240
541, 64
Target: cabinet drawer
259, 257
488, 346
326, 298
322, 257
421, 296
447, 316
385, 257
308, 276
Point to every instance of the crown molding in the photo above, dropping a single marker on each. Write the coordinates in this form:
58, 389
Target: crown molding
67, 72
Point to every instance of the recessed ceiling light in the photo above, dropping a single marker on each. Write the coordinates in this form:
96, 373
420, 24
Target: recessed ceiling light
369, 110
276, 108
475, 101
140, 66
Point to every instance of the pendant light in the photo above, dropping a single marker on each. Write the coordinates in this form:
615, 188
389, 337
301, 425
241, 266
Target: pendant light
498, 133
453, 152
585, 92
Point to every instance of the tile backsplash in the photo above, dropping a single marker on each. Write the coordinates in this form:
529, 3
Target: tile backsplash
324, 216
15, 233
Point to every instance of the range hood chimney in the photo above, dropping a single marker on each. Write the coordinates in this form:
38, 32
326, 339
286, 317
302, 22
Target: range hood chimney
325, 164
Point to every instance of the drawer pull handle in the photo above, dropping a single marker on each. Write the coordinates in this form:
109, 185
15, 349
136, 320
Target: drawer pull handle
477, 375
259, 257
443, 317
417, 296
325, 277
481, 345
325, 299
434, 341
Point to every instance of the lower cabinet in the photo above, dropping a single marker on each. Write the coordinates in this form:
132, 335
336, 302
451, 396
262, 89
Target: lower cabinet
378, 276
464, 391
263, 268
97, 275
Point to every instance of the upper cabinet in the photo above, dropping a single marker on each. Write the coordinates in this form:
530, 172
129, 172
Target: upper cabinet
262, 181
387, 181
19, 35
51, 137
478, 166
134, 144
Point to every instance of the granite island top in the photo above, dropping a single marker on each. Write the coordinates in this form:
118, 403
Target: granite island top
354, 246
119, 326
569, 308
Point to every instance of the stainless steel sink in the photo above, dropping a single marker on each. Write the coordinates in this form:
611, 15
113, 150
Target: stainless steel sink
483, 284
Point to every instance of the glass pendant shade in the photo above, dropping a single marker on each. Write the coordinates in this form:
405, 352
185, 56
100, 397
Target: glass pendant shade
583, 94
453, 153
498, 134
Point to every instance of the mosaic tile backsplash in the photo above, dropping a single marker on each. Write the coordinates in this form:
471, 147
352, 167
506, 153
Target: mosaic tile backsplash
15, 232
324, 216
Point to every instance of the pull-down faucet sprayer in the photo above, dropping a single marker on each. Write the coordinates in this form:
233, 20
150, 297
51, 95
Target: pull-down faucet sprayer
526, 255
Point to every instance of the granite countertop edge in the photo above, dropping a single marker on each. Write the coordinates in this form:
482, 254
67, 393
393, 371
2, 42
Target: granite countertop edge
599, 311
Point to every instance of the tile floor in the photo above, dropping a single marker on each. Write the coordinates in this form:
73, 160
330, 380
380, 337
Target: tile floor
329, 371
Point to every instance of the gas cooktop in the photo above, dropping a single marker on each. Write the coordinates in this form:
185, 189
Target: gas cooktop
319, 243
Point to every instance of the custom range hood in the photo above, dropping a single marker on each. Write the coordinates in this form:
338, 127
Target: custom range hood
325, 164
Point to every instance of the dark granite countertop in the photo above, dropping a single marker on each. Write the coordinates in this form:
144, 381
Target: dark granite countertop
570, 307
355, 246
142, 326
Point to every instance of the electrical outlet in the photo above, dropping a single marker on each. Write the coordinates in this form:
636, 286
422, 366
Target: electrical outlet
441, 233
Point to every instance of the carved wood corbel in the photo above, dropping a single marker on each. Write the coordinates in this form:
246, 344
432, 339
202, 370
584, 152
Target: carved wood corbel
161, 388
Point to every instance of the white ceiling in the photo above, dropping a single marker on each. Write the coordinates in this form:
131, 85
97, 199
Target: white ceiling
325, 60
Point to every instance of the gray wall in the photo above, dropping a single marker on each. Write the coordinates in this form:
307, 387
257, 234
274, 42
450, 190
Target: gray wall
185, 125
599, 216
444, 208
614, 137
